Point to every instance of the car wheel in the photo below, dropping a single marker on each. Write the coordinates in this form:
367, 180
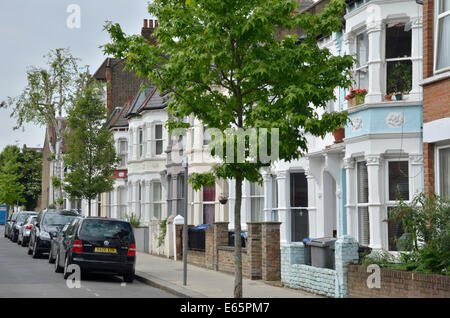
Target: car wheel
23, 243
58, 269
66, 265
51, 260
36, 254
128, 278
14, 237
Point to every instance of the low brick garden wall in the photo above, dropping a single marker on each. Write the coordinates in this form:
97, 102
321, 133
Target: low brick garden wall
196, 258
226, 260
260, 260
399, 284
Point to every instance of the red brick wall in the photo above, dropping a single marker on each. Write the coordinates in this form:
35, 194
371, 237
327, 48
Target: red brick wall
436, 95
428, 167
398, 284
428, 37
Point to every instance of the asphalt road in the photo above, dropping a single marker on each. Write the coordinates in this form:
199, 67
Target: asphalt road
23, 276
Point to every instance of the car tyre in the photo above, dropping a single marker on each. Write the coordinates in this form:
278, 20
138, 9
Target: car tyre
66, 265
128, 278
58, 269
36, 253
51, 260
23, 243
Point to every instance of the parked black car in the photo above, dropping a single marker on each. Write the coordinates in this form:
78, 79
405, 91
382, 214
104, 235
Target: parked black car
97, 245
20, 220
48, 223
25, 230
10, 223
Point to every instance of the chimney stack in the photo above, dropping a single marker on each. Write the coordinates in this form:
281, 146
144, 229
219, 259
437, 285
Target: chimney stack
147, 31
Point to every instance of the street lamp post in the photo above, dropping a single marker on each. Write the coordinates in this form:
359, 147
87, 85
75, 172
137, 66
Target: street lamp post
184, 164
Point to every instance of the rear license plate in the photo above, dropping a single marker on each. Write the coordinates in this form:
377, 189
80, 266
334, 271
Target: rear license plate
105, 250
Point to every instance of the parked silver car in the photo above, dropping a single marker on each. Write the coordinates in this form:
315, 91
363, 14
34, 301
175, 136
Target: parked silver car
25, 229
21, 218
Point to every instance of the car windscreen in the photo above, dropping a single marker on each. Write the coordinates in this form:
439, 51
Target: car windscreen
105, 229
55, 219
31, 219
22, 217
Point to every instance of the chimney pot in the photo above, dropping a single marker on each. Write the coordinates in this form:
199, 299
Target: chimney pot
151, 24
145, 23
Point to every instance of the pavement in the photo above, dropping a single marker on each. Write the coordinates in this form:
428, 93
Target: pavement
167, 275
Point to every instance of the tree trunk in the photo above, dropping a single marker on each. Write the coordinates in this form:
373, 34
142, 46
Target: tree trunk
89, 207
237, 241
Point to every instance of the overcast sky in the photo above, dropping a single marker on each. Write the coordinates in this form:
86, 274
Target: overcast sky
30, 28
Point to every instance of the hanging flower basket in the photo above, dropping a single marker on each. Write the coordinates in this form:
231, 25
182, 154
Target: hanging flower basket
223, 199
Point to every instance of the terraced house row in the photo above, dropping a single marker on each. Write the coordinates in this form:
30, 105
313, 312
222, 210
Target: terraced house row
396, 145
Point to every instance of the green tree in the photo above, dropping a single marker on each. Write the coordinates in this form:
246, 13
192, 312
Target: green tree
90, 157
227, 63
31, 169
11, 190
45, 98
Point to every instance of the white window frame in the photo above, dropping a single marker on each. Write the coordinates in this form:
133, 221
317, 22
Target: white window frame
254, 196
213, 203
396, 59
122, 206
141, 151
157, 202
155, 140
206, 142
357, 70
438, 16
300, 208
437, 176
123, 163
361, 205
393, 203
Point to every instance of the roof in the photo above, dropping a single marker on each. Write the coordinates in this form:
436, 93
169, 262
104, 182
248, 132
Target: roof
100, 74
118, 117
147, 99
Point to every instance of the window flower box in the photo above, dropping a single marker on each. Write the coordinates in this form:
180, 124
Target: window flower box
356, 97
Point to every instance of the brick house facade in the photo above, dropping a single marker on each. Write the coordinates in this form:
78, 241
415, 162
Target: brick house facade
436, 96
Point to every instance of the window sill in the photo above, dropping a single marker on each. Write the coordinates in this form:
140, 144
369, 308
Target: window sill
435, 78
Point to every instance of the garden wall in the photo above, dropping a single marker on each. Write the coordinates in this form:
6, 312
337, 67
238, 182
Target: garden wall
164, 247
260, 260
396, 283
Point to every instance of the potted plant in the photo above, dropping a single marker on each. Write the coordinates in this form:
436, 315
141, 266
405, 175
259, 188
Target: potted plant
399, 79
339, 135
388, 97
356, 97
